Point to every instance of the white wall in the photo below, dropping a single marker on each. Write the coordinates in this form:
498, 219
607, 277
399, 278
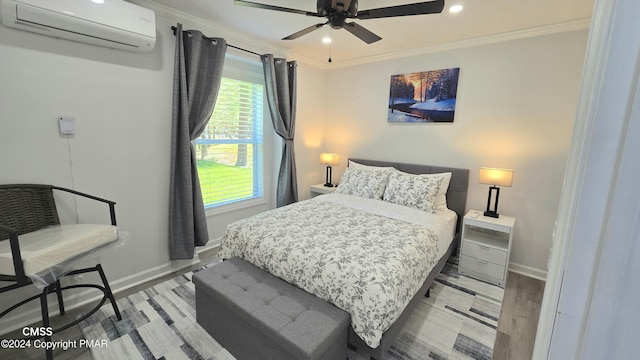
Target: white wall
515, 109
589, 309
311, 116
516, 104
122, 103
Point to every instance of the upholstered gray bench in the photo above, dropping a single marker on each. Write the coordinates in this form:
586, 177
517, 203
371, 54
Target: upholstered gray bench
255, 315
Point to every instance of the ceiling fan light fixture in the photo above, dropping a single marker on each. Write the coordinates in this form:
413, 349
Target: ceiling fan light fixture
455, 8
337, 12
326, 40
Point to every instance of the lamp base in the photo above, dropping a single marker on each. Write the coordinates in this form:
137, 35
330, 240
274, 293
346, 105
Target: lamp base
492, 214
328, 179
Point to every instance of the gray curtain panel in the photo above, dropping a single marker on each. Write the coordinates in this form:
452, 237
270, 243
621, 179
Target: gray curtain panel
197, 74
280, 83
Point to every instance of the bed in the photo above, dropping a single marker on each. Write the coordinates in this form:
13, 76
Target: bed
374, 259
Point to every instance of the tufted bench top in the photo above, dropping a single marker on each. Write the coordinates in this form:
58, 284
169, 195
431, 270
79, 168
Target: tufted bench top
295, 320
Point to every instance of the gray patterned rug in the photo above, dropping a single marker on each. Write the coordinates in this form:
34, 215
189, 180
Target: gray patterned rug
458, 321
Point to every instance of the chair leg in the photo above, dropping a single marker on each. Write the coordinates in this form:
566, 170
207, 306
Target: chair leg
59, 293
107, 289
45, 318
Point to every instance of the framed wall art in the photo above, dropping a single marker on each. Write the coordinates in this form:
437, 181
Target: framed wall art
423, 97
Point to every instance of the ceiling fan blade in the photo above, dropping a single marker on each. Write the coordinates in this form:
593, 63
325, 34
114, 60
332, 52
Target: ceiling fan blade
304, 31
430, 7
362, 33
276, 8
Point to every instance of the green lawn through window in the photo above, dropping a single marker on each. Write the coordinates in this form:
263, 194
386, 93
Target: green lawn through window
224, 182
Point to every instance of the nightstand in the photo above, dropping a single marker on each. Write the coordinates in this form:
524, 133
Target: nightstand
320, 189
486, 247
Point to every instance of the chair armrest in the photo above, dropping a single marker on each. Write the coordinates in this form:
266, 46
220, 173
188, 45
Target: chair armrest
112, 210
15, 253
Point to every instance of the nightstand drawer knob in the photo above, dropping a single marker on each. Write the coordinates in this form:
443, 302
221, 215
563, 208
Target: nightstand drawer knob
482, 261
484, 247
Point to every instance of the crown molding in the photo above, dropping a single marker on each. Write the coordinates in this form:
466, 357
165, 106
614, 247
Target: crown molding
477, 41
242, 40
212, 29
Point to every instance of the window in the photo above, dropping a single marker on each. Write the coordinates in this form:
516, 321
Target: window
229, 152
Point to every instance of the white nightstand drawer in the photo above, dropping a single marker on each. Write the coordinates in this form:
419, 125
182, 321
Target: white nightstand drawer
487, 253
482, 267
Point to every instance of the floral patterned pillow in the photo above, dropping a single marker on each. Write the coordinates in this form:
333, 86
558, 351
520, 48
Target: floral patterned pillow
364, 183
414, 191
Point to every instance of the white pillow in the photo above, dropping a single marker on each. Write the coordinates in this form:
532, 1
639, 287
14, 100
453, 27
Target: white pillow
423, 192
441, 198
355, 165
363, 182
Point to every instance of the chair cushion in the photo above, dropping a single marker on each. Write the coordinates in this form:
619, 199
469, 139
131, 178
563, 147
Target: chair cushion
56, 250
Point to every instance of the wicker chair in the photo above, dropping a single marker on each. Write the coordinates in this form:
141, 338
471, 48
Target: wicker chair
40, 251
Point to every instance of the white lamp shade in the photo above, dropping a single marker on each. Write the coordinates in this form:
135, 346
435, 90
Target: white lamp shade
497, 177
329, 159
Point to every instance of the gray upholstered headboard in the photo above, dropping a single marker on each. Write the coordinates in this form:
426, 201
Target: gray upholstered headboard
457, 193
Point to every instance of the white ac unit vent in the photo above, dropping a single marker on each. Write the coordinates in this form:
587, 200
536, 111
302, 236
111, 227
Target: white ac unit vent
111, 23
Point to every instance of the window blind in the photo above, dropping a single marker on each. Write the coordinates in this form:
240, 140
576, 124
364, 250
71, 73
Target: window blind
229, 151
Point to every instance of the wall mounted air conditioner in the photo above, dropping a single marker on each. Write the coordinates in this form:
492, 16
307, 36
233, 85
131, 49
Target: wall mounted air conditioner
111, 23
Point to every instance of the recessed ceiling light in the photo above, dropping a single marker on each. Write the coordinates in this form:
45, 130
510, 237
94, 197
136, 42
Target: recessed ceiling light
455, 8
326, 40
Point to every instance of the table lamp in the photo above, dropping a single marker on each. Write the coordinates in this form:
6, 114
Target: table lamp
329, 159
495, 178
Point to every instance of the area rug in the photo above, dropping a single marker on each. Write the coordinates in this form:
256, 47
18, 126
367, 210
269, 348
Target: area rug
458, 321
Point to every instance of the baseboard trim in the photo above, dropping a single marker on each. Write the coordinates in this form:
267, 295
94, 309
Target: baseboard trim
528, 271
19, 319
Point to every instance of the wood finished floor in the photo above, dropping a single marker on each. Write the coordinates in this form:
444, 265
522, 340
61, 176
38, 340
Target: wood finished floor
518, 318
515, 339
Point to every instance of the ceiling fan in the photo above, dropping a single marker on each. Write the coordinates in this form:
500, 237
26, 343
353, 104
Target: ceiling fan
338, 11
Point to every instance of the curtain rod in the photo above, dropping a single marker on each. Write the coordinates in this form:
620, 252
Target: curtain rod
229, 45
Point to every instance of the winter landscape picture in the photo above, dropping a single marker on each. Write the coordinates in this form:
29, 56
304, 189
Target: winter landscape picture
422, 97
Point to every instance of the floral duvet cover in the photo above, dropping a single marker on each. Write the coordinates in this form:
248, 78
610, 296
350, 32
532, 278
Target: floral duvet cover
361, 255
